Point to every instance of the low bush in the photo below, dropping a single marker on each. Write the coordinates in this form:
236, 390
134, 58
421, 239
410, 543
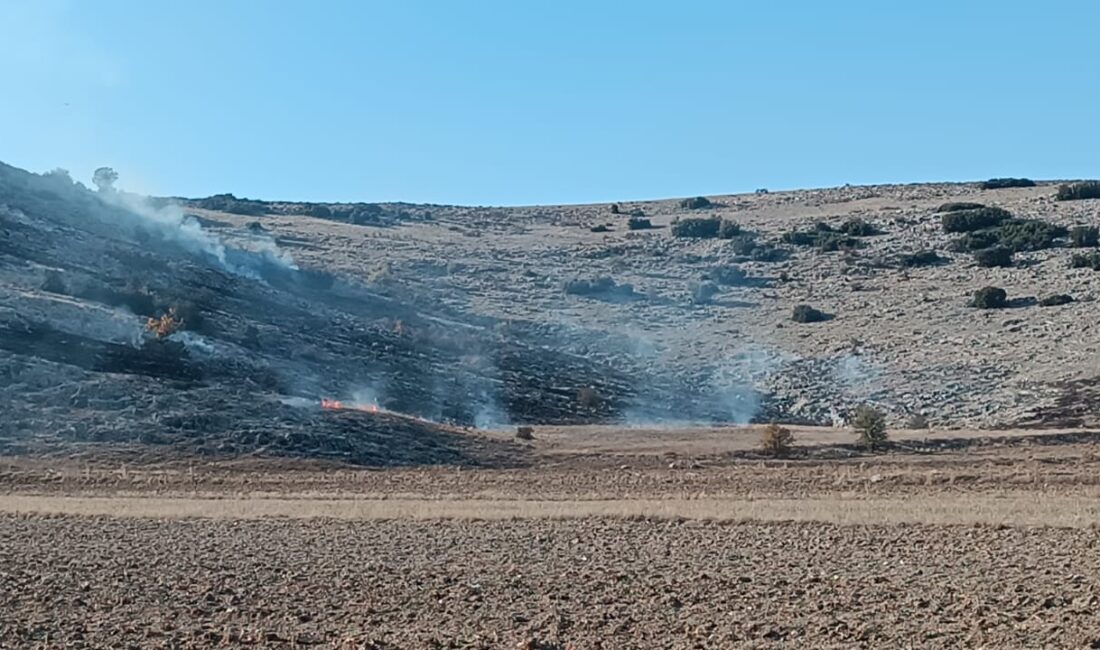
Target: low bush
990, 298
703, 292
921, 258
807, 314
1055, 300
697, 228
638, 223
231, 204
776, 441
728, 229
870, 425
822, 237
957, 206
601, 286
1084, 236
696, 203
995, 257
743, 244
54, 283
599, 228
730, 276
1002, 183
1078, 191
974, 219
858, 228
974, 241
1029, 234
1085, 261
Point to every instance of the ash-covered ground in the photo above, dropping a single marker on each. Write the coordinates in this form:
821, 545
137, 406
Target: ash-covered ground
221, 324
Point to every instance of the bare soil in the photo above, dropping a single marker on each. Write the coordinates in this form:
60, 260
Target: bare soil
683, 545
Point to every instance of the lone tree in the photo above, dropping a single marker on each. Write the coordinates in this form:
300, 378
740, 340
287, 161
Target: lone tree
104, 179
776, 441
870, 425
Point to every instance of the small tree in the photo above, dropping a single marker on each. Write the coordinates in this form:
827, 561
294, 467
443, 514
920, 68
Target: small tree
776, 441
104, 179
870, 425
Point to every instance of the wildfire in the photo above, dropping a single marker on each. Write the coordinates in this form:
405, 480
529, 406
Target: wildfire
337, 405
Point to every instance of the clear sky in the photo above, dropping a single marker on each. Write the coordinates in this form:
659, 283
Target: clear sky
557, 101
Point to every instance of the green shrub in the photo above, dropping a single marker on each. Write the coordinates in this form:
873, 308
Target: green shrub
957, 206
973, 241
858, 228
997, 256
730, 276
743, 244
1029, 234
990, 298
823, 237
638, 223
728, 229
696, 203
921, 258
1078, 191
975, 219
1055, 300
1085, 261
697, 228
1001, 183
1084, 236
807, 314
870, 425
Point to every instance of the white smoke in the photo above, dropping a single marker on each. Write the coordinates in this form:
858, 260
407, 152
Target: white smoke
170, 223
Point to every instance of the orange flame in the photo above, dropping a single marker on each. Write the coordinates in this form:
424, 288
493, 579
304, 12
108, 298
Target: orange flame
337, 405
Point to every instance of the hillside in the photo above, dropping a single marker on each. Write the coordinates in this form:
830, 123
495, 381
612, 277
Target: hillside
428, 319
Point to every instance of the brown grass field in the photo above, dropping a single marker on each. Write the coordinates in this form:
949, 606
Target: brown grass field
611, 538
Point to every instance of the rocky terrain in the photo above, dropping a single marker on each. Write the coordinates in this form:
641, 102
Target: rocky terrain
223, 325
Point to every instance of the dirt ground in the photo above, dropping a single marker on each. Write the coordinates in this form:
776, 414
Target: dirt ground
680, 544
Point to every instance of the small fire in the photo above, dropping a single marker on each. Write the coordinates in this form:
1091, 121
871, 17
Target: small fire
337, 405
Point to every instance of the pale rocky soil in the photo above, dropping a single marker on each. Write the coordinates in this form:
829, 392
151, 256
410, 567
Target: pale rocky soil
902, 338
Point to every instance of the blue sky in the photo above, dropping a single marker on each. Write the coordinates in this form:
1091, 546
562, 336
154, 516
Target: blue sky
522, 102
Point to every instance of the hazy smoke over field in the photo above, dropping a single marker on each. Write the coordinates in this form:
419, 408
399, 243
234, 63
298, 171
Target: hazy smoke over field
168, 223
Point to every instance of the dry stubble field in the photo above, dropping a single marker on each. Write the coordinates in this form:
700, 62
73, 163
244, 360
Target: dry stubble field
615, 544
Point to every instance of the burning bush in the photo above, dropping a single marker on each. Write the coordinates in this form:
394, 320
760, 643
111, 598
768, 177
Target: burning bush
1002, 183
974, 219
990, 298
1084, 236
166, 325
1078, 191
807, 314
993, 257
776, 441
870, 425
696, 203
697, 227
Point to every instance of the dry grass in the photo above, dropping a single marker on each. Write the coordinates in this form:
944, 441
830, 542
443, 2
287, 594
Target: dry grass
1025, 509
